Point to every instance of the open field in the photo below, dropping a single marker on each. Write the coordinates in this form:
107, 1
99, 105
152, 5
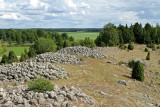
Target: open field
96, 75
82, 35
17, 50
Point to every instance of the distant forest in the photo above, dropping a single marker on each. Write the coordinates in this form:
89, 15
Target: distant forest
109, 35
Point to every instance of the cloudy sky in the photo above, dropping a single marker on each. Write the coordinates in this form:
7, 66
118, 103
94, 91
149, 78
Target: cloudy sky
76, 13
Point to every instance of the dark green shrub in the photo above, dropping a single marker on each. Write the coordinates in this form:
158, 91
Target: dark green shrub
138, 71
146, 50
4, 59
148, 56
40, 85
130, 46
12, 57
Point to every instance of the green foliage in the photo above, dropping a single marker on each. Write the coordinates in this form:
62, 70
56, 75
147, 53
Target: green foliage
130, 46
31, 53
12, 57
111, 43
22, 59
146, 50
10, 42
121, 46
64, 36
66, 43
43, 45
3, 48
4, 59
89, 42
102, 44
138, 71
40, 85
148, 56
138, 33
109, 35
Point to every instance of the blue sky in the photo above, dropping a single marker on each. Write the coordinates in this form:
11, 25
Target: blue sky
76, 13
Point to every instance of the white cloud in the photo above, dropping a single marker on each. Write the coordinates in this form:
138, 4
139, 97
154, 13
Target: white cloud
13, 16
77, 13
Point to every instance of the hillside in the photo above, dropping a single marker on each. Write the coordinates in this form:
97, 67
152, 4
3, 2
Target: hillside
95, 72
99, 79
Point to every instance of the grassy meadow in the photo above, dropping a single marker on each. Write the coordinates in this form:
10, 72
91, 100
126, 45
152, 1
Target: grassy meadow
82, 35
96, 75
17, 50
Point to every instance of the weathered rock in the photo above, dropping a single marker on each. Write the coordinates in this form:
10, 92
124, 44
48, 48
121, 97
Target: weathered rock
123, 82
131, 64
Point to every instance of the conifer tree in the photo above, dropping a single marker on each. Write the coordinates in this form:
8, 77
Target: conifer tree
138, 71
148, 56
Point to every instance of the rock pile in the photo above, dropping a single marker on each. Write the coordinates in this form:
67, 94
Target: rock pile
57, 58
20, 97
42, 65
82, 51
28, 70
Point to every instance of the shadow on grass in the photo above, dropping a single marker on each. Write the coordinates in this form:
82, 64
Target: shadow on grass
127, 76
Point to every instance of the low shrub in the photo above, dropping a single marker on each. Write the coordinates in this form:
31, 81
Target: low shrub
40, 85
146, 50
148, 56
130, 46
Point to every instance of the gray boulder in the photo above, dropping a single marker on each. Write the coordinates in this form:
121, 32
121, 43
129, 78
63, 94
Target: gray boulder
123, 82
131, 64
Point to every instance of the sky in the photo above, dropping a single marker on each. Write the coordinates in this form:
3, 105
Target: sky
76, 13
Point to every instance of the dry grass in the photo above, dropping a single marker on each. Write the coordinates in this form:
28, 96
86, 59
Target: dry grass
98, 76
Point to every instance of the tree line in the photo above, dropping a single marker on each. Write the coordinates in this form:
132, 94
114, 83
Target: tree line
115, 35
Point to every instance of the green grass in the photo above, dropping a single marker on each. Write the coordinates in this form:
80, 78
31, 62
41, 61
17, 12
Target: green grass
17, 50
82, 35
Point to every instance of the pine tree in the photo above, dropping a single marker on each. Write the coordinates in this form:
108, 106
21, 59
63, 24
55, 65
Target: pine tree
148, 56
138, 71
146, 50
